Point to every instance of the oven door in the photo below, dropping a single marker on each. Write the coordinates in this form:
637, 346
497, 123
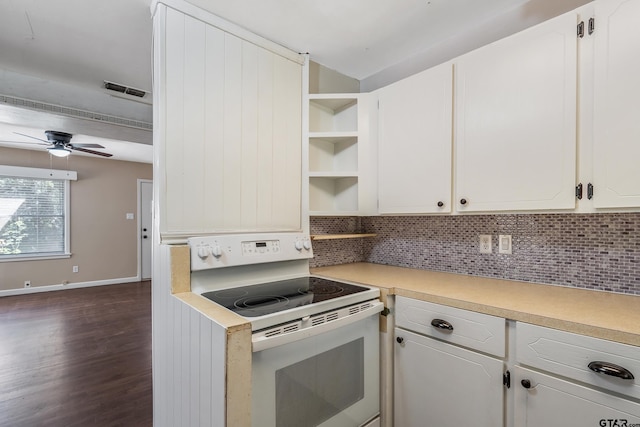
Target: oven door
328, 380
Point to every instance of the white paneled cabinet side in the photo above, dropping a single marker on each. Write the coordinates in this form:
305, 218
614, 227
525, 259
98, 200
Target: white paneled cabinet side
229, 132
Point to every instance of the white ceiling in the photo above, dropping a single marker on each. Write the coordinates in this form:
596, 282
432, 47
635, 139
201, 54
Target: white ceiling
358, 37
84, 42
78, 41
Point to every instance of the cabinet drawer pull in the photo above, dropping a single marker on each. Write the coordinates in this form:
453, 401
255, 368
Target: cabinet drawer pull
442, 324
611, 369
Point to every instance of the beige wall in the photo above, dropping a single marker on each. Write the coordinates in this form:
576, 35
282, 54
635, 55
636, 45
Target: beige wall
103, 242
326, 80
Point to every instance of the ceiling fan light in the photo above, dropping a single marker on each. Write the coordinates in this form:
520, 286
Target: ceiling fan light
59, 151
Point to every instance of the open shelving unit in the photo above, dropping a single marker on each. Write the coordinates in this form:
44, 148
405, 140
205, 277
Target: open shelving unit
333, 154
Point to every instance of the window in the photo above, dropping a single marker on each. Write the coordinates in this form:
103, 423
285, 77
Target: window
34, 219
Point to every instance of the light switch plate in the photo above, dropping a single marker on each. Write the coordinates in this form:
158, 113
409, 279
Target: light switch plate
504, 244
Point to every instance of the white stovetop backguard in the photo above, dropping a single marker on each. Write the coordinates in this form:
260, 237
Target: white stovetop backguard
233, 250
231, 260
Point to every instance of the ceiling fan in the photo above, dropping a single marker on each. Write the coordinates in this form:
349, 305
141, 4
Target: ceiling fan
60, 144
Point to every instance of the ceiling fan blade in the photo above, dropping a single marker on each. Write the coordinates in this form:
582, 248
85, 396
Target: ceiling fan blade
87, 145
84, 150
22, 142
33, 137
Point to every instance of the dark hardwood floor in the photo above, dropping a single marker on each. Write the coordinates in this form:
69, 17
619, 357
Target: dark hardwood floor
78, 357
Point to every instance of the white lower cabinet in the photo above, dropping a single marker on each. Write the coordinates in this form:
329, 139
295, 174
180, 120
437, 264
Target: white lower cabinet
440, 384
456, 367
545, 400
570, 380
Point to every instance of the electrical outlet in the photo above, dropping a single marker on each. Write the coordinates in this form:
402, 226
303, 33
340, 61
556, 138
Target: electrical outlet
27, 283
75, 268
504, 243
485, 243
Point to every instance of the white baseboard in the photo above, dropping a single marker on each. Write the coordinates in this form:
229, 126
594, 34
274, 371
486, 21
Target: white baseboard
49, 288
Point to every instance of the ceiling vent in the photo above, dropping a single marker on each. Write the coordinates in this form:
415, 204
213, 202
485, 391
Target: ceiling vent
116, 87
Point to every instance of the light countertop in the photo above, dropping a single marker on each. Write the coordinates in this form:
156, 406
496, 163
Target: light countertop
598, 314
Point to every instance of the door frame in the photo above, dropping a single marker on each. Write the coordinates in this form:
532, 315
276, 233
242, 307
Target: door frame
139, 222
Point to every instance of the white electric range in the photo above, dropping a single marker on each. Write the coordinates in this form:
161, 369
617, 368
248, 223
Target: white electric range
315, 341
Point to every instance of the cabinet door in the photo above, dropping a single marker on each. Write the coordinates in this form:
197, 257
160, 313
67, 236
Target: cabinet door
616, 176
229, 131
516, 121
415, 143
552, 402
441, 385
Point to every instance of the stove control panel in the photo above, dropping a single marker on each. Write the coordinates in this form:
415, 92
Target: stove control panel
231, 250
260, 247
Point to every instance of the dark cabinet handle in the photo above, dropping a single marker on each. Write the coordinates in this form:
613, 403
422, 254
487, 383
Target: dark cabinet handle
399, 340
463, 201
440, 204
442, 324
526, 383
610, 369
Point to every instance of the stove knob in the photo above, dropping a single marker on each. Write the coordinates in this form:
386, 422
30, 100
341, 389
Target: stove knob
298, 245
216, 251
203, 252
307, 245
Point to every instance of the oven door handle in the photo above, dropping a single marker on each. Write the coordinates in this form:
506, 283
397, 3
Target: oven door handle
263, 343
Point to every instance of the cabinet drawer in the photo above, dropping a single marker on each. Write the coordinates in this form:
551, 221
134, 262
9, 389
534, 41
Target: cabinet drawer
571, 356
469, 329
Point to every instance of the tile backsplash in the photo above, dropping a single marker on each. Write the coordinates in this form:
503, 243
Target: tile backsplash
592, 251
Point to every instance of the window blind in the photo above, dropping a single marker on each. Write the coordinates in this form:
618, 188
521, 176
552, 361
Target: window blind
32, 216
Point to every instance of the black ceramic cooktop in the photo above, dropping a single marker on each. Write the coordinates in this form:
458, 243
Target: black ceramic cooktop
272, 297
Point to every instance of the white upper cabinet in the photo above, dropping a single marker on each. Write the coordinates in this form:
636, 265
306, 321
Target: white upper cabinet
515, 121
414, 143
616, 120
228, 129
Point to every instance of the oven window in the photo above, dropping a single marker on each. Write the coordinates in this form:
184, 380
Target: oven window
315, 389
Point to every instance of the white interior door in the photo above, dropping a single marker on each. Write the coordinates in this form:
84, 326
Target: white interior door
145, 215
